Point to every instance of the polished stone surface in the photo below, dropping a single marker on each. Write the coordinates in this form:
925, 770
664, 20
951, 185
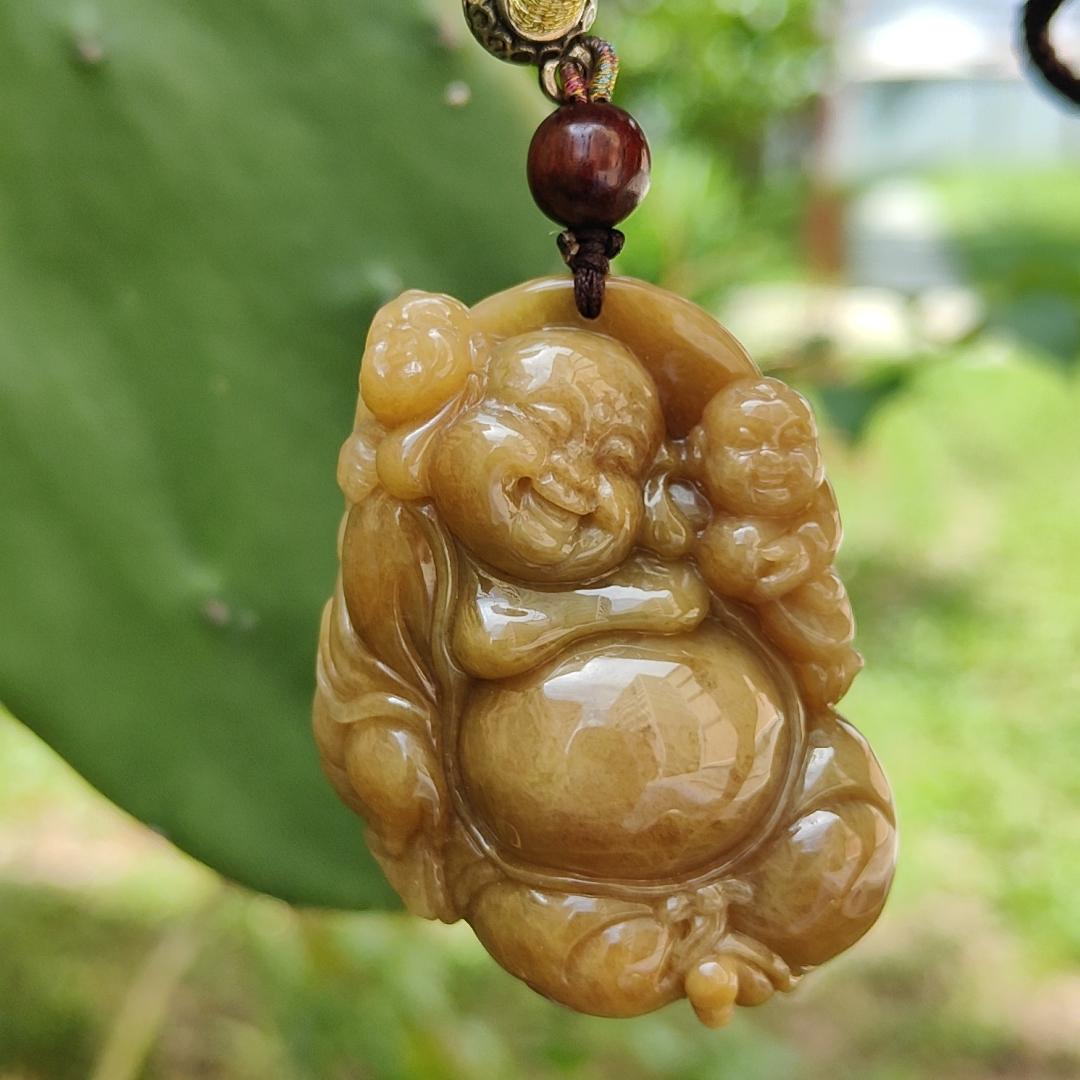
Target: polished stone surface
579, 672
589, 165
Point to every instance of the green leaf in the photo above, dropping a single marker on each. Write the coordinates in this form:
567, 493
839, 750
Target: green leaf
201, 204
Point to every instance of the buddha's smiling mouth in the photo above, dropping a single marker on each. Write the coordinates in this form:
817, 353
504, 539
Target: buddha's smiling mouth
550, 533
530, 498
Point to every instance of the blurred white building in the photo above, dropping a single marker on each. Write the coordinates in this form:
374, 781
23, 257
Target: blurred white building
919, 87
928, 83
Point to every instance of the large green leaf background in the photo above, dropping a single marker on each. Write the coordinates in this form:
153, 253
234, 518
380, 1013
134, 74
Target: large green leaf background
201, 204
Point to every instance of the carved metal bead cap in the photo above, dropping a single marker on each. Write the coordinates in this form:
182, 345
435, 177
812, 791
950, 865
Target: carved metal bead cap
528, 31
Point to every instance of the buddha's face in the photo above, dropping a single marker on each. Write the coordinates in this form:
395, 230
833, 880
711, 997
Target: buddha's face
758, 449
541, 478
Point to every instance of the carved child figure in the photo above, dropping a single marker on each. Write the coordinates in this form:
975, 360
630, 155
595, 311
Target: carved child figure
777, 528
576, 675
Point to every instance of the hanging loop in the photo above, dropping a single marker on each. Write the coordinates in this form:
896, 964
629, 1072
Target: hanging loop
1037, 17
586, 71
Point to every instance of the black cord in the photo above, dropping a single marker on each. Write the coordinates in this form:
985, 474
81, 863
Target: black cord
1037, 16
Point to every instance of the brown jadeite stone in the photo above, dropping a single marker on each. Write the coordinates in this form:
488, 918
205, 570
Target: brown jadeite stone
579, 672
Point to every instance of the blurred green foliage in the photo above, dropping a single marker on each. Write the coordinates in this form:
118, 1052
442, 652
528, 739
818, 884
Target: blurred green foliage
1017, 236
711, 81
718, 73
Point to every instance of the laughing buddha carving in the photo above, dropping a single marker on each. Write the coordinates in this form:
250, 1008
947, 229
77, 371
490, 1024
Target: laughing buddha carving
578, 674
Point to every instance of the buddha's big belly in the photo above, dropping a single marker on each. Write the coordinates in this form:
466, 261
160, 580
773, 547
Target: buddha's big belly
635, 757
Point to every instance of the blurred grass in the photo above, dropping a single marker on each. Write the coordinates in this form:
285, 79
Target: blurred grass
1017, 234
963, 526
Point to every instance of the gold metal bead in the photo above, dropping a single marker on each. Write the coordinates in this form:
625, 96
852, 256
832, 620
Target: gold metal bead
544, 20
528, 31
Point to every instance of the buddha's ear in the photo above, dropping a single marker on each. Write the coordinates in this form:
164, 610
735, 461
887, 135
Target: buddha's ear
404, 455
420, 351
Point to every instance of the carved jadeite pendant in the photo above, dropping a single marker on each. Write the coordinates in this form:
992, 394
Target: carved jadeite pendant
579, 672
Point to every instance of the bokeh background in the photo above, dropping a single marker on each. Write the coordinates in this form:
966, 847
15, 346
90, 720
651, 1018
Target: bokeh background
201, 205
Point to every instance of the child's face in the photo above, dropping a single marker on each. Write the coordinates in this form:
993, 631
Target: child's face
542, 477
759, 449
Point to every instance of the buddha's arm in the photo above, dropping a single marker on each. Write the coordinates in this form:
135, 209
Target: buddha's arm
761, 559
506, 629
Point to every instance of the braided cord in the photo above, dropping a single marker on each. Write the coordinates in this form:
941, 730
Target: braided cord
587, 71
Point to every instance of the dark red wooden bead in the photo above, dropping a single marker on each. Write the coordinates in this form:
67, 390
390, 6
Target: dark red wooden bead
588, 165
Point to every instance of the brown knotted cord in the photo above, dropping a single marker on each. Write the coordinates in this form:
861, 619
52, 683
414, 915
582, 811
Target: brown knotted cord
1037, 17
588, 252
